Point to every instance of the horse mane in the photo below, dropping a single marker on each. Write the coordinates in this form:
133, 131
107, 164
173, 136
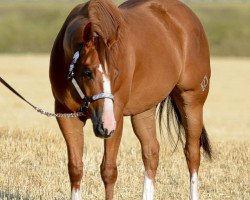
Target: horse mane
106, 20
131, 4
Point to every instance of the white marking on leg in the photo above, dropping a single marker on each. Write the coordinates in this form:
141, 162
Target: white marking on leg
194, 187
204, 83
76, 194
108, 117
148, 189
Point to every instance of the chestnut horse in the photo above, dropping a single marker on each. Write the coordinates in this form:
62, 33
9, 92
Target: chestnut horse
109, 62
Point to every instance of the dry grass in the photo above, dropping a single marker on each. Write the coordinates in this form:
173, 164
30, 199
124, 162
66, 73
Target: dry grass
33, 160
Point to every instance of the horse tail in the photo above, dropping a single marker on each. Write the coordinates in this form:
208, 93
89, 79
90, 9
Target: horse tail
205, 143
174, 121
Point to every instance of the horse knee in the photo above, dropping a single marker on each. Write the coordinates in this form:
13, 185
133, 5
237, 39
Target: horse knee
109, 174
75, 173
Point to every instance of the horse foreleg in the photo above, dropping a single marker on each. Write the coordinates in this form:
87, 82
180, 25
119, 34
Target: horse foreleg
144, 126
190, 104
72, 130
109, 167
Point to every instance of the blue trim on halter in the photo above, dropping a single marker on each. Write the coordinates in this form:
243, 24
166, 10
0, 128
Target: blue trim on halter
75, 58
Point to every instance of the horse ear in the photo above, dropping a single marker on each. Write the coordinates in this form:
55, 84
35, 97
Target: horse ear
106, 20
87, 33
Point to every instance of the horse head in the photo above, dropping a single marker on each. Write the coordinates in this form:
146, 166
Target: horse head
90, 76
87, 43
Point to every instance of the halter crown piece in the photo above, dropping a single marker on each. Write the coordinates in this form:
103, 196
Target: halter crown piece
71, 77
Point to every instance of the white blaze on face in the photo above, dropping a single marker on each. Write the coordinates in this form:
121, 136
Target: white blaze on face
194, 187
76, 194
108, 117
148, 190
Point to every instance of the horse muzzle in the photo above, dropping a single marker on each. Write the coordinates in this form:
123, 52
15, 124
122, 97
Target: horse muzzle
102, 132
103, 128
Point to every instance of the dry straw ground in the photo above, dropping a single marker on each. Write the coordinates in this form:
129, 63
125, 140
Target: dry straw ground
33, 161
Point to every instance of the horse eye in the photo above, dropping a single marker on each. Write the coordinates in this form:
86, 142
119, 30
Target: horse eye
87, 74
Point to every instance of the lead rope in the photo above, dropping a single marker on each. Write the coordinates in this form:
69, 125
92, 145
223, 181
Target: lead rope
39, 110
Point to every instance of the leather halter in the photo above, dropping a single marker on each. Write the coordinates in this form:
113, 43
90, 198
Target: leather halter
71, 77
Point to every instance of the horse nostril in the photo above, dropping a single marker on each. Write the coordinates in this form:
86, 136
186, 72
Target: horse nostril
102, 132
111, 133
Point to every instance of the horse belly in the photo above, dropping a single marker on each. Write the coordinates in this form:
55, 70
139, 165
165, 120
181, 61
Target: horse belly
150, 86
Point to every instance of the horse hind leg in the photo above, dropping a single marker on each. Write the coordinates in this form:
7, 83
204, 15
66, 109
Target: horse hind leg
144, 126
190, 105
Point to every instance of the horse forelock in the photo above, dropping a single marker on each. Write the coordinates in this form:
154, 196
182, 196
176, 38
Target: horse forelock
106, 19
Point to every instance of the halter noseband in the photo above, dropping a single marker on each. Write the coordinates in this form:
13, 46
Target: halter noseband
71, 77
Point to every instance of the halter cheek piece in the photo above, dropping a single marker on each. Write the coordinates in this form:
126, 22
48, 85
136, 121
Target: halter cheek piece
71, 77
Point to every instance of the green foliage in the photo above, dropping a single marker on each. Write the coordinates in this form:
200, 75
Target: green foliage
227, 27
31, 26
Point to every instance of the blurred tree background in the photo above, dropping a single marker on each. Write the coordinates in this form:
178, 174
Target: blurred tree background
30, 26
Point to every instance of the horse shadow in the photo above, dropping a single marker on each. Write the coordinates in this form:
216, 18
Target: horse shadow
18, 196
13, 196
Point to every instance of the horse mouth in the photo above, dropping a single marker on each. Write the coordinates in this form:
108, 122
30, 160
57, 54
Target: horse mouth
104, 125
102, 132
